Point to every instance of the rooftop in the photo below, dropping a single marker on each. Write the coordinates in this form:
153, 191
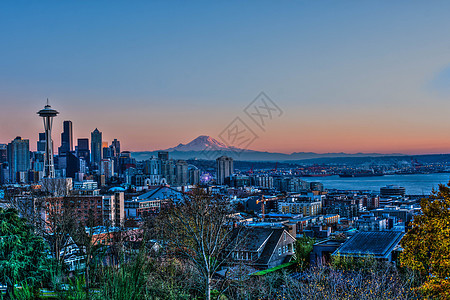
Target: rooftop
378, 244
161, 193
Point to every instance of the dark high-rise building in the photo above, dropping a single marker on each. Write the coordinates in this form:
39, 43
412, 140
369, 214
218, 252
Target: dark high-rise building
83, 144
41, 142
18, 159
194, 176
38, 159
126, 162
163, 155
152, 166
72, 164
167, 167
107, 152
115, 154
3, 164
181, 172
96, 147
3, 153
4, 174
83, 150
115, 145
66, 138
168, 170
224, 169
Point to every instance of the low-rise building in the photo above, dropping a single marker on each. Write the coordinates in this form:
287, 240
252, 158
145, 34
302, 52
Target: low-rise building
381, 245
402, 214
114, 209
296, 205
260, 247
371, 223
152, 201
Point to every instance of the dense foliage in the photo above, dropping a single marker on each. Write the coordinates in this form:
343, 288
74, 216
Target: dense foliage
303, 247
23, 254
427, 244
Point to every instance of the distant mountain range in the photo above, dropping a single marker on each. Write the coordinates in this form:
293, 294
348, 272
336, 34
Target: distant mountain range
206, 147
201, 143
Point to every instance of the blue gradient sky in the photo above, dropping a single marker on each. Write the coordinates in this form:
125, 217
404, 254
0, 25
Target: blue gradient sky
353, 76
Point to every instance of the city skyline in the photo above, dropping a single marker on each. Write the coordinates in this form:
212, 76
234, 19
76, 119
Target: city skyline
349, 76
110, 137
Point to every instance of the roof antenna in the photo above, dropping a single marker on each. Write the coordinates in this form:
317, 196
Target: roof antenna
47, 102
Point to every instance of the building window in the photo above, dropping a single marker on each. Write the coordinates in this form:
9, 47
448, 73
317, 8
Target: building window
279, 251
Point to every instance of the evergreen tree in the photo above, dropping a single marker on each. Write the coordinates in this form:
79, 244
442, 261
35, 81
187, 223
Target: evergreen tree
23, 255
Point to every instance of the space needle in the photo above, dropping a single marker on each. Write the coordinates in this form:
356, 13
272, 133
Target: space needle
47, 113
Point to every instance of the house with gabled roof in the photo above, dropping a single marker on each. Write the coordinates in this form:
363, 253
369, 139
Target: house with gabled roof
260, 247
70, 252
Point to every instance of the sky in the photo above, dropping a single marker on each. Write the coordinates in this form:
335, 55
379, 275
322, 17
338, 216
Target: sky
349, 76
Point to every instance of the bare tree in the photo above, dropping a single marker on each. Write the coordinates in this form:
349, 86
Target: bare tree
94, 241
56, 187
59, 225
197, 230
56, 220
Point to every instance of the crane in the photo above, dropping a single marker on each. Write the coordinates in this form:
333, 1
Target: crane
263, 201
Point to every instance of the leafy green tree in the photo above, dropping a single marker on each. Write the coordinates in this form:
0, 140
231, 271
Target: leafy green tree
303, 247
23, 254
427, 244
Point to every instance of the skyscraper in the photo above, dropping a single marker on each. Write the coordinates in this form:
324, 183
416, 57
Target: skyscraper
163, 155
18, 159
152, 166
107, 152
96, 147
167, 167
152, 169
224, 168
66, 138
107, 168
181, 172
72, 164
41, 142
116, 147
168, 170
126, 162
115, 152
83, 150
194, 176
48, 113
3, 153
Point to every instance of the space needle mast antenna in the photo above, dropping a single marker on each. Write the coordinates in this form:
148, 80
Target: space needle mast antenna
48, 113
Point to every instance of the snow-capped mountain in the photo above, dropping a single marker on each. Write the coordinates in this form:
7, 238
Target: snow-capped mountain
206, 147
201, 143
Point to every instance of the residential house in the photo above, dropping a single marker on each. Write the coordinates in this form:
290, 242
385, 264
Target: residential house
260, 247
